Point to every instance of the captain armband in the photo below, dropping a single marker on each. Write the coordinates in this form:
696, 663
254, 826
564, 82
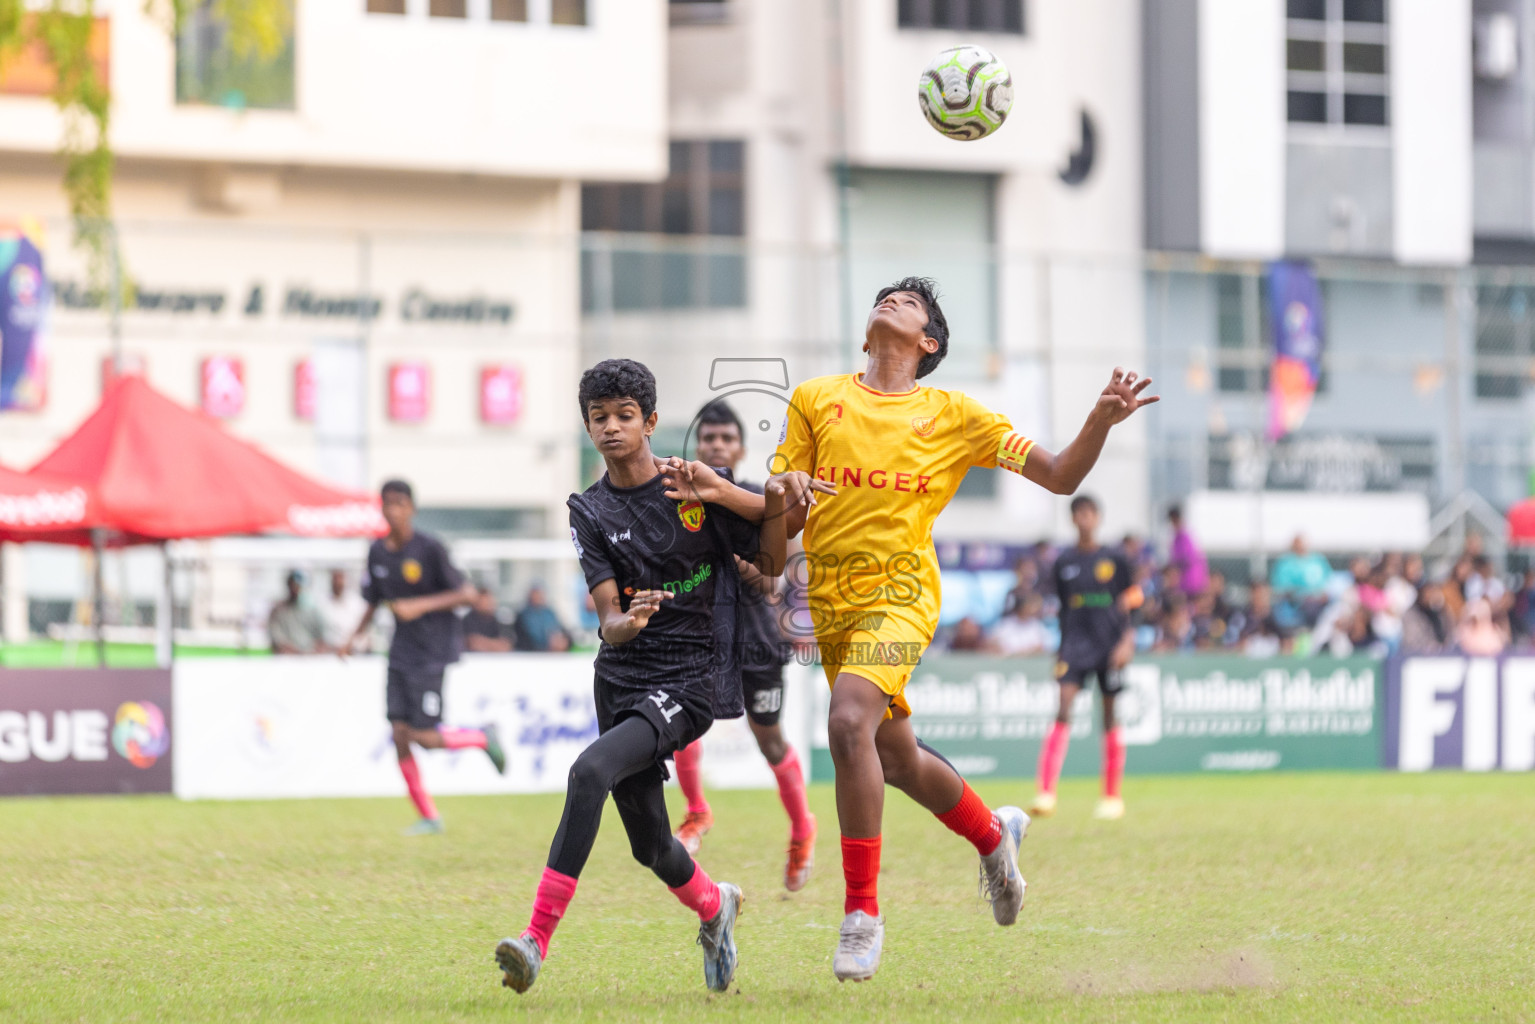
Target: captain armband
1013, 452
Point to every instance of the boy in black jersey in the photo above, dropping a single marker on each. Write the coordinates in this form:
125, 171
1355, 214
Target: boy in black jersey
410, 574
659, 570
764, 652
1097, 593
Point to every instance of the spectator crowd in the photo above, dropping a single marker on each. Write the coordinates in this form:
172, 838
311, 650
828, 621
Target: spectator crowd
1377, 606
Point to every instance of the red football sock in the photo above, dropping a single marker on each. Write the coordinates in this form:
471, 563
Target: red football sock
1113, 761
860, 870
699, 894
791, 790
554, 893
972, 819
1052, 755
689, 778
418, 794
457, 739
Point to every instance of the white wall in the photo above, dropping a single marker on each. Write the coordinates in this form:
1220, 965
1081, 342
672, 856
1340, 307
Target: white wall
1431, 130
1242, 127
406, 92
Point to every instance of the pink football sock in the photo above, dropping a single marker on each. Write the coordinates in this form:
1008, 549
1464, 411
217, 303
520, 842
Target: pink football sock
458, 739
699, 894
554, 893
1052, 755
791, 790
1113, 761
690, 778
418, 794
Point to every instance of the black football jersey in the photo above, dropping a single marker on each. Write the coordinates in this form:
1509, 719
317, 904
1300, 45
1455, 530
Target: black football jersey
643, 540
1088, 584
421, 567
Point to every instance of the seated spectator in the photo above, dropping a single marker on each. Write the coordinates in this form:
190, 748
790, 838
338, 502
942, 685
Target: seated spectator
294, 626
1300, 573
484, 631
1137, 552
1209, 624
1426, 627
1260, 633
1522, 612
1484, 582
1025, 586
1176, 631
1023, 631
967, 636
538, 628
341, 610
1478, 634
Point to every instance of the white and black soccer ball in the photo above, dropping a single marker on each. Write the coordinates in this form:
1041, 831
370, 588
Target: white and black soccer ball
965, 93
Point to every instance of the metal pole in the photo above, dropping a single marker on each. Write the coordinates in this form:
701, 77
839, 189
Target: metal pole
115, 322
99, 607
165, 640
844, 185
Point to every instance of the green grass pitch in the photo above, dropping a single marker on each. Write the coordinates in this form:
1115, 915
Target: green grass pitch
1299, 897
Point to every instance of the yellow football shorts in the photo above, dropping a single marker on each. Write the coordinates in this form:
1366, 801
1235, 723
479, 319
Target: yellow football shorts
879, 646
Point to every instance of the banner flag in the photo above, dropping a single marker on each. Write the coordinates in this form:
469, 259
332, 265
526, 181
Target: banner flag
1295, 303
23, 303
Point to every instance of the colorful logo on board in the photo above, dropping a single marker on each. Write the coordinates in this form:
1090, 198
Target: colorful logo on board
139, 733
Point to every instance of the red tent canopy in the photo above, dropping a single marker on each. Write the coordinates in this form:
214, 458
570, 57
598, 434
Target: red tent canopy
153, 470
1521, 522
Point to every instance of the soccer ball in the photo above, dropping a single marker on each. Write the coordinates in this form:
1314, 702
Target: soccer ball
965, 93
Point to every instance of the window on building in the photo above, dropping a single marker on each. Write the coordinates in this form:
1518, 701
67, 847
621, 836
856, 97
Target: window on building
386, 6
208, 71
508, 10
967, 15
448, 9
695, 12
704, 196
1336, 61
568, 12
1505, 325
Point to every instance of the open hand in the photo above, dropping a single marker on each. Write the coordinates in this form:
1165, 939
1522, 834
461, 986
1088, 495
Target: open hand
1124, 395
687, 481
798, 488
642, 606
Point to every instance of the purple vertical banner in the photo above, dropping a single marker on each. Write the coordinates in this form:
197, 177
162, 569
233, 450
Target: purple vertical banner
23, 304
1295, 303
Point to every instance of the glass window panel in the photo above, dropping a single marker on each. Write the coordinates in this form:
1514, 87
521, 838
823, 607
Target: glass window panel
679, 158
726, 157
1229, 379
568, 12
727, 212
1312, 10
1364, 10
1363, 108
634, 285
1497, 339
1364, 58
1305, 55
726, 275
946, 14
1307, 107
914, 14
677, 274
1498, 386
386, 6
631, 208
676, 210
448, 9
208, 71
594, 208
508, 10
1012, 16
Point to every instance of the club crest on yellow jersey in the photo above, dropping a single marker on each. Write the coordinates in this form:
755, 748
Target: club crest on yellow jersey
692, 515
923, 425
411, 570
1104, 570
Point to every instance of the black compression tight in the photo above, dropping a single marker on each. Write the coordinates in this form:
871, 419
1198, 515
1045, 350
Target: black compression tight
621, 761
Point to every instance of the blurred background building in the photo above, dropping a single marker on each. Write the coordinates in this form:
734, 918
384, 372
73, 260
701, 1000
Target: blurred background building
391, 250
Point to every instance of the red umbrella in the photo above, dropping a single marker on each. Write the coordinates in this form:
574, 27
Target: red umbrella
1521, 522
154, 470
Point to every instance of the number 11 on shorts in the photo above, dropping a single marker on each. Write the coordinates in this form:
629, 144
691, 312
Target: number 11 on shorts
661, 698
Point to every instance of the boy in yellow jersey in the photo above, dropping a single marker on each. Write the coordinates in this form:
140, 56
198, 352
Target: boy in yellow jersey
895, 454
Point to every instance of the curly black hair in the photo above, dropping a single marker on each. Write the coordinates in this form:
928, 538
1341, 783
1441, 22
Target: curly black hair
937, 327
719, 412
618, 378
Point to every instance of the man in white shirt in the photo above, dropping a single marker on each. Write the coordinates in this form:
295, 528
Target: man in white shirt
341, 610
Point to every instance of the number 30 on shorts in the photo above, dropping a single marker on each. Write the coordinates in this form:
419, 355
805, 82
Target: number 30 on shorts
668, 713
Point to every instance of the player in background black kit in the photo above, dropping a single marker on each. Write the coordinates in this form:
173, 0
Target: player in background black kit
1097, 593
662, 574
410, 574
764, 652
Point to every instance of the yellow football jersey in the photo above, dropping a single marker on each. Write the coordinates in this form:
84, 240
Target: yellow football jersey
896, 460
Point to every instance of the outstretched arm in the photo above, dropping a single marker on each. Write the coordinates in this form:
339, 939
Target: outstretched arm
407, 608
1063, 472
